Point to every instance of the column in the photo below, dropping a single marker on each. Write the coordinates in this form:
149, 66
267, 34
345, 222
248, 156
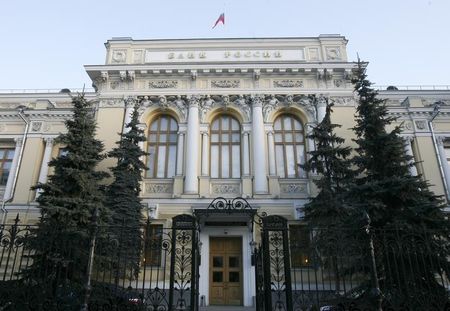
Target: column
246, 154
408, 149
443, 157
311, 145
180, 153
12, 171
45, 159
271, 147
191, 181
321, 108
259, 150
129, 107
205, 154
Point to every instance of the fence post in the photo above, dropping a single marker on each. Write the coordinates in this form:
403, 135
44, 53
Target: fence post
94, 231
374, 273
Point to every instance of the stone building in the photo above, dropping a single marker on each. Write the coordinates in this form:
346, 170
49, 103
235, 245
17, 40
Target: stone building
224, 118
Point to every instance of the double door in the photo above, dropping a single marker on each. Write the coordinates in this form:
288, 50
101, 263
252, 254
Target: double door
225, 279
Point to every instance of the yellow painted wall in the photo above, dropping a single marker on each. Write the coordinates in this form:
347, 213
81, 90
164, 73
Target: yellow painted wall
29, 170
109, 125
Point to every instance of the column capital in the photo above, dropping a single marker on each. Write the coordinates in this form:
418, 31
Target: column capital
180, 133
408, 138
245, 133
49, 140
257, 100
440, 140
194, 101
269, 132
19, 141
204, 133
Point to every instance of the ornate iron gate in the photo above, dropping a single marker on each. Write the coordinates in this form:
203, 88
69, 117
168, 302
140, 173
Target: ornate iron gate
184, 263
272, 266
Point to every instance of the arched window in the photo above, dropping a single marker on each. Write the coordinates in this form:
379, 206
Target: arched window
289, 146
162, 147
225, 153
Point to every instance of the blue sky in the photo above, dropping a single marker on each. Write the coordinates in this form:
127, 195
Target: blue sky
44, 44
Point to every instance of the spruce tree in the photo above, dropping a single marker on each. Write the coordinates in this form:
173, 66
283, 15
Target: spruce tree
400, 207
330, 160
328, 212
123, 194
67, 202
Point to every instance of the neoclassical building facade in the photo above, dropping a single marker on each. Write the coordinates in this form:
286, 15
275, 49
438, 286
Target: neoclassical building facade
223, 118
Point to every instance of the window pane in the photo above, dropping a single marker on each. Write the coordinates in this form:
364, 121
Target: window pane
225, 162
236, 138
215, 138
217, 261
214, 161
234, 124
173, 125
280, 160
233, 262
297, 125
172, 161
233, 277
299, 138
236, 161
7, 165
288, 137
10, 154
215, 125
2, 154
4, 177
225, 123
164, 124
173, 138
154, 126
217, 277
225, 138
152, 138
162, 138
151, 162
278, 138
277, 124
290, 159
161, 162
301, 160
287, 124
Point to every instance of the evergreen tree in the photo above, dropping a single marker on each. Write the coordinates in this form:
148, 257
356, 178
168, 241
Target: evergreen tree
330, 161
400, 207
327, 212
385, 189
123, 194
68, 201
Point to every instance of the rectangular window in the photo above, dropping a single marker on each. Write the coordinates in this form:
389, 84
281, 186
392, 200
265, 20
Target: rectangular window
153, 245
6, 157
300, 244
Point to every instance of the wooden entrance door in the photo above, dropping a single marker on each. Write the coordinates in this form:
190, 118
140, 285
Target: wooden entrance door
225, 266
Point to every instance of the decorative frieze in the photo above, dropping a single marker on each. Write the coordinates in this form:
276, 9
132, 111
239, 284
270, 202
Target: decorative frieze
119, 56
293, 188
343, 101
36, 126
225, 188
151, 188
273, 102
288, 83
333, 53
421, 125
163, 84
225, 84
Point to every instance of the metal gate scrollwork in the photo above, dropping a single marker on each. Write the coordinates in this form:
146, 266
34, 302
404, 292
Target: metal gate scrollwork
272, 266
184, 264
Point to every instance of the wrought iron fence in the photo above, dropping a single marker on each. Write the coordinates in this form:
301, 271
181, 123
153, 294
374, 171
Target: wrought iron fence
145, 268
348, 269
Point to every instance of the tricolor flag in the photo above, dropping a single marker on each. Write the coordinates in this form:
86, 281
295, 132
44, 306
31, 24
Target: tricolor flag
220, 19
